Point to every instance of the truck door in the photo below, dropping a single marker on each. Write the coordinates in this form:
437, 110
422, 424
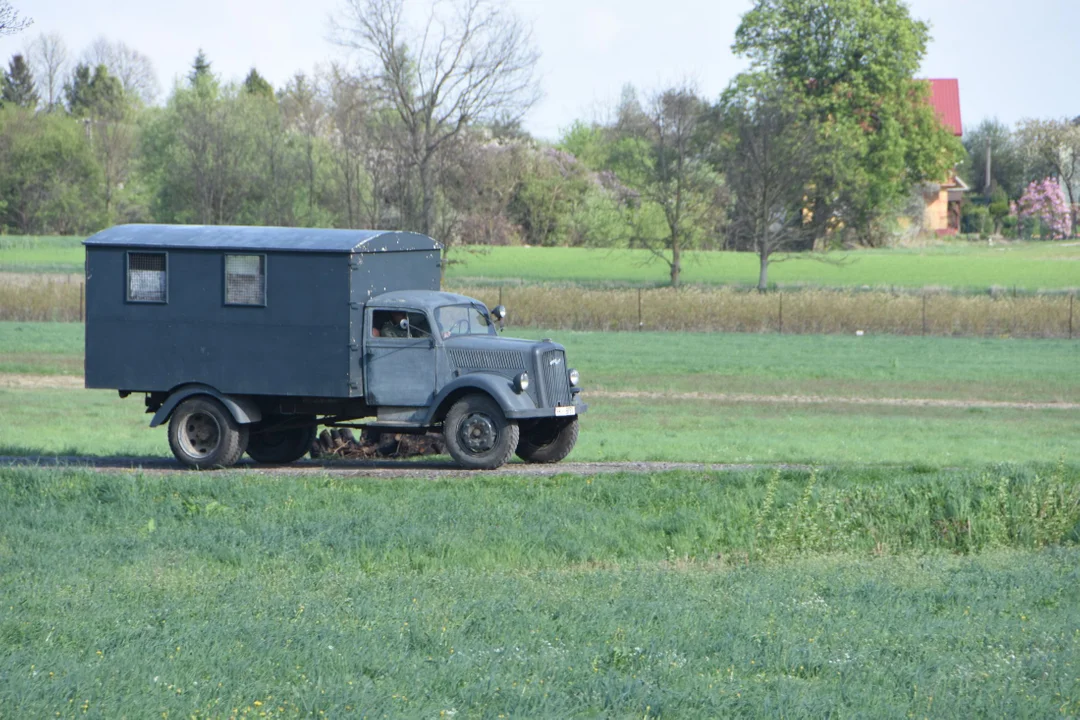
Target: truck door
399, 361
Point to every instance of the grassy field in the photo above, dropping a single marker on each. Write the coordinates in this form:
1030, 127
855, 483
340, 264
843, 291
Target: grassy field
698, 415
926, 567
958, 264
683, 595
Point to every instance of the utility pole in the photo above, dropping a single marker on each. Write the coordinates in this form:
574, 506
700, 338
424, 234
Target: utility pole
989, 159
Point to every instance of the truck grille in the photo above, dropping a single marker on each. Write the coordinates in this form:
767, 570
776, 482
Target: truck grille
487, 360
556, 384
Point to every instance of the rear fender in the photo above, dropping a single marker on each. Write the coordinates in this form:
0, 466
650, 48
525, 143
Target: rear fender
244, 411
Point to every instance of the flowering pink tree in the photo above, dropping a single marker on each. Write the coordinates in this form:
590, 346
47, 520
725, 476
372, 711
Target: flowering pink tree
1044, 201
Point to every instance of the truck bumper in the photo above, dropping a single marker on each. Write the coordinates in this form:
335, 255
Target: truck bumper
563, 411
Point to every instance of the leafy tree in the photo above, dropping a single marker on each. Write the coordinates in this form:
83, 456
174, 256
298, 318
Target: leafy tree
850, 64
48, 169
256, 84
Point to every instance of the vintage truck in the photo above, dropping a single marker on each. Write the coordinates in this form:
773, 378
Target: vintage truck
247, 339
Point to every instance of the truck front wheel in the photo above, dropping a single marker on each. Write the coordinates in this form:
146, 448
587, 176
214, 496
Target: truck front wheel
477, 433
203, 434
548, 441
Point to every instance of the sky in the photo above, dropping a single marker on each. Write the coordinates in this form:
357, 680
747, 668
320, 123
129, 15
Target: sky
1011, 63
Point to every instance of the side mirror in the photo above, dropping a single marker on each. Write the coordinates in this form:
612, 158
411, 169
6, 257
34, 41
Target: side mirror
499, 313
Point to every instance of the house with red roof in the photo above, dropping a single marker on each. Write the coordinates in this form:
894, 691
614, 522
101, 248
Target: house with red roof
942, 214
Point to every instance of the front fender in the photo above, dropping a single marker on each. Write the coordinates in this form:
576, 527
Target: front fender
243, 411
500, 388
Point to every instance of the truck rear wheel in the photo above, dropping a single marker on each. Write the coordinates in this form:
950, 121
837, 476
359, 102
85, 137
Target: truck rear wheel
548, 441
203, 434
477, 433
278, 447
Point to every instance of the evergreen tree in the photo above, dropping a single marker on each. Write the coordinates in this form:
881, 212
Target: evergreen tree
255, 84
199, 69
18, 85
100, 94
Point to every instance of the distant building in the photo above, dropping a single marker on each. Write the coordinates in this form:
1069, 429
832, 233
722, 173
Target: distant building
942, 214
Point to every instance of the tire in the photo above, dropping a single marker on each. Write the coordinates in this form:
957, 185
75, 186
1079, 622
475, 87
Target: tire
203, 434
548, 441
478, 436
279, 447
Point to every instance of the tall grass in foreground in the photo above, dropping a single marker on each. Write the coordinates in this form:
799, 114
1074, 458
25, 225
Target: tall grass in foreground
681, 595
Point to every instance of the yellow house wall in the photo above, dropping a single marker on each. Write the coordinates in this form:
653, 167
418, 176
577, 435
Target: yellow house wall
936, 215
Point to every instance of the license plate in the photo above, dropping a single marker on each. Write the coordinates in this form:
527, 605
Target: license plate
564, 411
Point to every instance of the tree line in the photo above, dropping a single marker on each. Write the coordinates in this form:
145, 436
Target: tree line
823, 141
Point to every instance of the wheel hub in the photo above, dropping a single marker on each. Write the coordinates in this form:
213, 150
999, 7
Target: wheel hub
478, 433
201, 435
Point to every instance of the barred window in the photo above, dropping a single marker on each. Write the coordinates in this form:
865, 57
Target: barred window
146, 277
245, 279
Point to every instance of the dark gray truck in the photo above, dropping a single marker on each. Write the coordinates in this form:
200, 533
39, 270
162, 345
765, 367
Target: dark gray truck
247, 339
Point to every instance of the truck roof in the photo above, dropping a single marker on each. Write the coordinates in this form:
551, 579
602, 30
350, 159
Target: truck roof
235, 237
421, 299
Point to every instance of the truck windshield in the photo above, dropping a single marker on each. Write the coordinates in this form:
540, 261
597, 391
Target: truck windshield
463, 320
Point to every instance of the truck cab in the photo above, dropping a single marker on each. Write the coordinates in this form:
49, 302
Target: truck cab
427, 353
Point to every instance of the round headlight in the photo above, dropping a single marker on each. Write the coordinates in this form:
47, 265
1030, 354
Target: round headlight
574, 378
521, 382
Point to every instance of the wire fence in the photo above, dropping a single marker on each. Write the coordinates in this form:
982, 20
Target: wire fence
994, 314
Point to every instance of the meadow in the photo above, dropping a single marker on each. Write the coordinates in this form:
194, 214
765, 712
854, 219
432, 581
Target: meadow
869, 593
959, 264
701, 398
906, 544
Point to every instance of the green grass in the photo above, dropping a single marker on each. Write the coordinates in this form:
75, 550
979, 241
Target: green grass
93, 422
963, 265
1027, 266
847, 366
41, 254
44, 348
685, 595
97, 423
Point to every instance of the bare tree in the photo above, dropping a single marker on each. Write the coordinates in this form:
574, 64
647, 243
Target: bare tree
769, 165
675, 176
48, 57
472, 61
134, 70
304, 112
10, 22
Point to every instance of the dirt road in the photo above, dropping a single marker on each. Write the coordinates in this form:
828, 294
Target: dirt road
427, 469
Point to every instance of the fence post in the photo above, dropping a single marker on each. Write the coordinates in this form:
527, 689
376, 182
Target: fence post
640, 321
781, 314
82, 292
500, 295
924, 313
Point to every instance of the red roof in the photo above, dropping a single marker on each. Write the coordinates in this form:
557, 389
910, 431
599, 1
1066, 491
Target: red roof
945, 97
